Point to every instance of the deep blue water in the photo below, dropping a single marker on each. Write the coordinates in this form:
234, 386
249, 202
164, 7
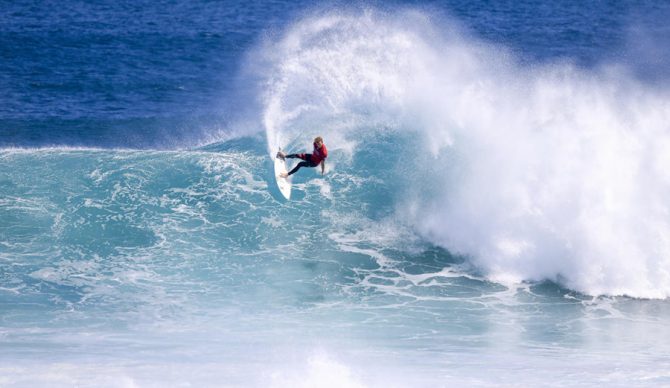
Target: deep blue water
494, 212
167, 74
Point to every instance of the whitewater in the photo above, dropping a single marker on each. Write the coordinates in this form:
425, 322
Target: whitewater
543, 172
478, 213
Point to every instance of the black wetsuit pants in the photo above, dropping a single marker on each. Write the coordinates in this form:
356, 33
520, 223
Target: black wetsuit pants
306, 162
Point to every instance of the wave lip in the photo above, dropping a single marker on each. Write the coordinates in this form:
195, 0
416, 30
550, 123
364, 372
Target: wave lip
543, 172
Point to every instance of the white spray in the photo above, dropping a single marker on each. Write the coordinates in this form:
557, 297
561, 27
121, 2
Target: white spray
545, 172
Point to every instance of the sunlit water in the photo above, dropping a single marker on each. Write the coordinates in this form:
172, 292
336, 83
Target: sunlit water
489, 217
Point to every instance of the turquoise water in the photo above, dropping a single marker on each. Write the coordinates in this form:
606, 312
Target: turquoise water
183, 267
494, 211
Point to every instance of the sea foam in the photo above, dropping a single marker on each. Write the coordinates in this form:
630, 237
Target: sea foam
544, 171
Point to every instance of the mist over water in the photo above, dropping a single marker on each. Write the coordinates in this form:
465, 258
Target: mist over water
533, 172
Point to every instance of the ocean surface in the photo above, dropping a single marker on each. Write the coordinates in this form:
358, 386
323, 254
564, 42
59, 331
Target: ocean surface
495, 210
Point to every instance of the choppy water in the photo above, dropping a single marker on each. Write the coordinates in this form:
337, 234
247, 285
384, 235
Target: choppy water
494, 213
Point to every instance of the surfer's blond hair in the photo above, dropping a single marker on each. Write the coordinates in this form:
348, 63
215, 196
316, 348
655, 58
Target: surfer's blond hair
318, 139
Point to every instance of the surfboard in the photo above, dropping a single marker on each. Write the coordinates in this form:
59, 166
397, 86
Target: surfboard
284, 184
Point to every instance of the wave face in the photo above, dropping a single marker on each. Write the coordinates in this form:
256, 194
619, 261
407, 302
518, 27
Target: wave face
147, 268
533, 172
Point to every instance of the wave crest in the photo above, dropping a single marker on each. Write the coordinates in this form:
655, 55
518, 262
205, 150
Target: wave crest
544, 172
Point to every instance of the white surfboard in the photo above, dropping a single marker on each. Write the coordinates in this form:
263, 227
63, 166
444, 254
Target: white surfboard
284, 184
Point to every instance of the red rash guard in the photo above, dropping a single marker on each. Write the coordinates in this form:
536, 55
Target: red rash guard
317, 156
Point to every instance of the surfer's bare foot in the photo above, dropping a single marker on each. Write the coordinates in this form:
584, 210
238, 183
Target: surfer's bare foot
283, 174
281, 155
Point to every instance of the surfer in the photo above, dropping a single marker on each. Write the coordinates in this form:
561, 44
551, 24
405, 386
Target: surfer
318, 156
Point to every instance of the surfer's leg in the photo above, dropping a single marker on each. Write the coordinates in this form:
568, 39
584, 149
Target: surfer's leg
297, 167
305, 163
299, 156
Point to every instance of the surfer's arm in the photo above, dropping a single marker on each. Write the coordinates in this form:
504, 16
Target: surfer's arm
323, 166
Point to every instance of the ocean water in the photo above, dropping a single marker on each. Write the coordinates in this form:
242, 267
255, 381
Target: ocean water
495, 210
